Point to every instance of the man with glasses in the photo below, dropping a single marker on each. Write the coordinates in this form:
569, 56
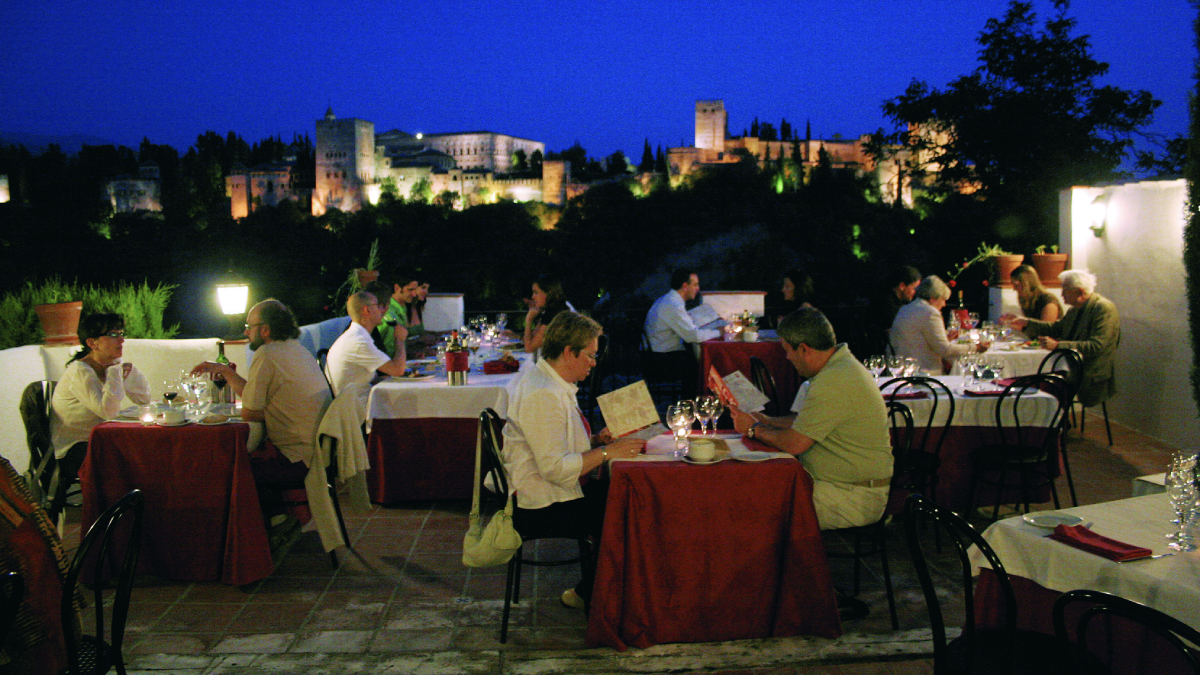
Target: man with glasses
353, 357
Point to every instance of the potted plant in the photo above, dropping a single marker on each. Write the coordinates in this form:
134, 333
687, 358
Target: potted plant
57, 310
1003, 264
1048, 265
368, 274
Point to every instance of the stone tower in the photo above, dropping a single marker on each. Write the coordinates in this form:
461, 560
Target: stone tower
345, 163
710, 125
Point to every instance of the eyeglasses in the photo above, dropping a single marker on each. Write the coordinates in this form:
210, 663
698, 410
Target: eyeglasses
252, 325
115, 334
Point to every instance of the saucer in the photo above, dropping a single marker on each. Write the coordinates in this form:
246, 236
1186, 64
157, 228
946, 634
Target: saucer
1051, 520
170, 424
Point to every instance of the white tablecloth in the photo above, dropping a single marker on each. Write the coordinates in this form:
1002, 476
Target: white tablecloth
1171, 585
1017, 362
1037, 409
395, 399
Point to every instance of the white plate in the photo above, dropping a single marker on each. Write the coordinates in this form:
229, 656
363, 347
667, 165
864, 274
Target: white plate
216, 424
1051, 520
757, 456
714, 460
169, 424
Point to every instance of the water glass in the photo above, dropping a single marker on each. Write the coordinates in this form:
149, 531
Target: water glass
706, 410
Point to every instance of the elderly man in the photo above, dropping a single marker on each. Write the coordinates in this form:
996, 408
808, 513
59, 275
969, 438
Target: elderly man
1091, 326
353, 357
840, 433
919, 332
284, 389
672, 334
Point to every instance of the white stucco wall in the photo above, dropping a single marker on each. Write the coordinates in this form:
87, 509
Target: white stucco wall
1138, 260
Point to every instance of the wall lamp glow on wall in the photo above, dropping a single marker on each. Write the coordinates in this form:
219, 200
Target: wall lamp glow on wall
1099, 214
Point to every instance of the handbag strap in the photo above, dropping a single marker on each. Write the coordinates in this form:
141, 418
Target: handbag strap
478, 471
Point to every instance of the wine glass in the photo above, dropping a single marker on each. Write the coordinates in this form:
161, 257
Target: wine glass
199, 393
892, 366
972, 320
718, 410
679, 419
170, 390
501, 323
1181, 489
875, 365
706, 410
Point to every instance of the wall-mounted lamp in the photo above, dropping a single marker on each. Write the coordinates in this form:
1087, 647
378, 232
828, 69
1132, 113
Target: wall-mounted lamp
1099, 214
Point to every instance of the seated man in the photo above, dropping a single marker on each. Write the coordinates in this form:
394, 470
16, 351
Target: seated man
1091, 326
672, 335
353, 357
284, 389
403, 290
840, 433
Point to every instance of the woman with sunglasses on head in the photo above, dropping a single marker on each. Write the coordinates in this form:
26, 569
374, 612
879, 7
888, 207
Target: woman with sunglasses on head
91, 390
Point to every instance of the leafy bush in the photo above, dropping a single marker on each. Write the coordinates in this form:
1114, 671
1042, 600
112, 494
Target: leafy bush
142, 306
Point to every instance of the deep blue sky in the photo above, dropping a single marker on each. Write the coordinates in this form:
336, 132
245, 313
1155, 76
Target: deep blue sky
606, 73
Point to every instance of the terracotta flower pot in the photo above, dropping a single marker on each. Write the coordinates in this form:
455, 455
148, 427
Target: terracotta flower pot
1049, 266
60, 321
366, 276
1005, 264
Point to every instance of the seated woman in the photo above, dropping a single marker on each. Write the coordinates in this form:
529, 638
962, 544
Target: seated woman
548, 300
548, 445
797, 292
920, 333
416, 309
91, 390
1036, 302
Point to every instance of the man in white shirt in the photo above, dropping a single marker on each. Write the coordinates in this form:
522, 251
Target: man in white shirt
673, 336
354, 356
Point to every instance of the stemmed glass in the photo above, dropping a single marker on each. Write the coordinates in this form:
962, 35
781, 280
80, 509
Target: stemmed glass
170, 391
1181, 489
875, 365
679, 419
199, 390
706, 410
501, 323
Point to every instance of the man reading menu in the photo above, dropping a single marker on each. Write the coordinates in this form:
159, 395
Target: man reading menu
840, 433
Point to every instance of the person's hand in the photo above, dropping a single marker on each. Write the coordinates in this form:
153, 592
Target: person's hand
952, 334
126, 369
533, 312
212, 368
603, 438
742, 421
1018, 322
1048, 343
401, 334
625, 448
981, 347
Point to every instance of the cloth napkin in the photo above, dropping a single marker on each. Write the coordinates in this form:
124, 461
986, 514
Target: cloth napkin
1085, 540
983, 392
1005, 382
500, 367
906, 394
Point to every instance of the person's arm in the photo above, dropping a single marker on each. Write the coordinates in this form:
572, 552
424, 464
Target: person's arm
679, 321
773, 431
211, 368
103, 399
1104, 330
136, 386
398, 363
1051, 312
534, 337
253, 389
939, 343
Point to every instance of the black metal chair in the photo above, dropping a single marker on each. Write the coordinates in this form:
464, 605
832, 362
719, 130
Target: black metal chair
12, 592
100, 549
1030, 452
493, 470
918, 472
664, 373
44, 471
901, 421
1069, 364
761, 376
589, 388
1106, 645
976, 651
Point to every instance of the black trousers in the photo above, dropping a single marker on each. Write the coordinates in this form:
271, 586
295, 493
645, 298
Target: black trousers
574, 519
66, 471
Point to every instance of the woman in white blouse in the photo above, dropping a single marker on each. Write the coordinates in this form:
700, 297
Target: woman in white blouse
92, 389
919, 331
548, 446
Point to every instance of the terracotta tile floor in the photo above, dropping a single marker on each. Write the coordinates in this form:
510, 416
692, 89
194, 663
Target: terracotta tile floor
403, 602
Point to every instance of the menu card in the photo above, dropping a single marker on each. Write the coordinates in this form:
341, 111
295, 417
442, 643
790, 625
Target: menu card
736, 389
630, 411
705, 316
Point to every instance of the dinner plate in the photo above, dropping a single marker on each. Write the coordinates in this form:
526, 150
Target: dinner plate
170, 424
714, 460
416, 377
756, 456
214, 424
1051, 520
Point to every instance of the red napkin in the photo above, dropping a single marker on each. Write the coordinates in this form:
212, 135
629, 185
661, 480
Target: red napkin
907, 394
983, 392
500, 367
1085, 540
1005, 382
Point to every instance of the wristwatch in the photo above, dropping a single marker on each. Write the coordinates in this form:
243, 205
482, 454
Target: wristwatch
750, 431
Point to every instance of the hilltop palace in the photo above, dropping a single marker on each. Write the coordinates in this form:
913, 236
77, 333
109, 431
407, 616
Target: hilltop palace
356, 166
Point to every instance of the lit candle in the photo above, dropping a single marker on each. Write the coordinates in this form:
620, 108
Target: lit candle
147, 415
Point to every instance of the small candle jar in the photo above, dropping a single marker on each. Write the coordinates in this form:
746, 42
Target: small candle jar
146, 415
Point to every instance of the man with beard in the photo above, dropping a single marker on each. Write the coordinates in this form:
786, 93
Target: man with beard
284, 389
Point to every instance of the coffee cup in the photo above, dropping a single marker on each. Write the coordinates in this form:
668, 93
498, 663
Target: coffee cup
173, 416
702, 450
750, 334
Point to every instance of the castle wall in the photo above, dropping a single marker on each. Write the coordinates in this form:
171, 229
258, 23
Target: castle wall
135, 194
345, 163
711, 121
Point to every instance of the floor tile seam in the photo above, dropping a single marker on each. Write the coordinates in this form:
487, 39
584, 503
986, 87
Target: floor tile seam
170, 606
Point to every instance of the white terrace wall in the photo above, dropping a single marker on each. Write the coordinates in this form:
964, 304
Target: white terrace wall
1138, 260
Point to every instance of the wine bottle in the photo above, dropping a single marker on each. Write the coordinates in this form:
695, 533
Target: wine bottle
219, 393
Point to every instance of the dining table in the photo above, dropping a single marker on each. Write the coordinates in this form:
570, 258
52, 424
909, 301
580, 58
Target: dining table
728, 356
973, 427
202, 518
422, 432
1041, 568
1018, 358
725, 550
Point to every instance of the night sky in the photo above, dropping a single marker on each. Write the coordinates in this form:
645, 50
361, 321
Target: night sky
606, 73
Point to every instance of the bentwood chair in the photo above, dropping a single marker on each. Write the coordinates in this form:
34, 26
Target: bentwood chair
115, 537
492, 471
918, 471
589, 388
761, 376
875, 534
44, 470
1068, 364
1024, 450
1113, 635
976, 651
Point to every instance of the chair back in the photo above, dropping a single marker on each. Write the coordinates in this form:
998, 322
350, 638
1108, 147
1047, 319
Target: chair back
12, 592
589, 388
761, 376
35, 413
1015, 432
951, 527
1124, 634
900, 419
1067, 363
932, 431
94, 550
492, 478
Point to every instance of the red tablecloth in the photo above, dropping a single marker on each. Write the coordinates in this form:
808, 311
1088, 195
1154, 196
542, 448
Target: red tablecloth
705, 553
421, 458
202, 519
730, 356
1139, 652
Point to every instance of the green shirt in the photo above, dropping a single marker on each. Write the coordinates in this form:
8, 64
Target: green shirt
397, 312
844, 414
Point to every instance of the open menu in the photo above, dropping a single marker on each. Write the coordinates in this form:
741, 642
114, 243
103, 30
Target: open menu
629, 411
736, 389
